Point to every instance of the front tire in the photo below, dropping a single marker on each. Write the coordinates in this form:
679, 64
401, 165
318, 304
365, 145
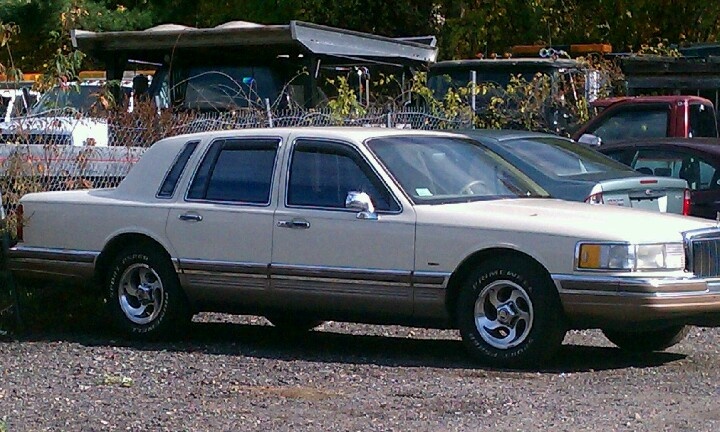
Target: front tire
509, 315
143, 294
647, 341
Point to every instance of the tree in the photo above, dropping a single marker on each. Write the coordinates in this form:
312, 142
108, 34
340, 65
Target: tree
465, 27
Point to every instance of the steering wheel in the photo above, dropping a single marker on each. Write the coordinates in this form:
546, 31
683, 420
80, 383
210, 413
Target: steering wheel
467, 189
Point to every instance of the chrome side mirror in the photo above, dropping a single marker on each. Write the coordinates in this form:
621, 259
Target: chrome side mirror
590, 139
361, 202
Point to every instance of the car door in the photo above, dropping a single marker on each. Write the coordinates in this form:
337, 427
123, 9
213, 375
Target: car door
700, 172
327, 258
222, 229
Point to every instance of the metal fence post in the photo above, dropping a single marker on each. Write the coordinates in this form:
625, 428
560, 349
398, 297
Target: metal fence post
473, 87
269, 112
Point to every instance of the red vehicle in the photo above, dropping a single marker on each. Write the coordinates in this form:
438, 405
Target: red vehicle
641, 117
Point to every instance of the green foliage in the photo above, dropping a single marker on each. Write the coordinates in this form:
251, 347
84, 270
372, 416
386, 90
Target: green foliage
8, 33
346, 104
465, 28
662, 48
483, 26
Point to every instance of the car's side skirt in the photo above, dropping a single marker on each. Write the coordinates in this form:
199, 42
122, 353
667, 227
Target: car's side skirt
230, 286
52, 264
222, 284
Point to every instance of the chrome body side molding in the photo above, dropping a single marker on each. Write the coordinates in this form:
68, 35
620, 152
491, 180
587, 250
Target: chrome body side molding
49, 263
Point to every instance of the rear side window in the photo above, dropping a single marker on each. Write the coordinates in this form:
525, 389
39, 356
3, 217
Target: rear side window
169, 184
624, 156
559, 157
236, 171
702, 121
636, 123
699, 174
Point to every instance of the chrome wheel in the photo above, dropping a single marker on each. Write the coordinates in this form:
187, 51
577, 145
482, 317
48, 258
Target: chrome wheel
141, 294
503, 314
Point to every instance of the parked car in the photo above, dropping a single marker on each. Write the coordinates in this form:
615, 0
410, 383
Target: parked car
571, 171
695, 160
644, 117
68, 115
370, 225
16, 102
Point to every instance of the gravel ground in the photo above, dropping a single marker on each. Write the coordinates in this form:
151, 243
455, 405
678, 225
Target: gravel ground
239, 374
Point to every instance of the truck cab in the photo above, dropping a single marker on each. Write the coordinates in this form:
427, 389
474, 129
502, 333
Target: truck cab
632, 117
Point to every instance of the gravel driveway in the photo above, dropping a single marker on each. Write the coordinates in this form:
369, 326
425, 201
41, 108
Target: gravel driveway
238, 374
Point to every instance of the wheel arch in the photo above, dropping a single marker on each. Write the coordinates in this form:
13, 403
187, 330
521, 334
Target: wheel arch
117, 244
461, 273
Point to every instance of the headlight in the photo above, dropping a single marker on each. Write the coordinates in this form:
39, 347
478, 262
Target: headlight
630, 257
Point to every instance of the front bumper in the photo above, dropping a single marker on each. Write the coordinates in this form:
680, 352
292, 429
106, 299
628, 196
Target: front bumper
598, 300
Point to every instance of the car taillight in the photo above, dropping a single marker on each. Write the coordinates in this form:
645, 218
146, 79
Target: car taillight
19, 222
596, 198
686, 203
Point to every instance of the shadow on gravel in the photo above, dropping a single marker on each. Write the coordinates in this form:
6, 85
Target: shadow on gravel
58, 316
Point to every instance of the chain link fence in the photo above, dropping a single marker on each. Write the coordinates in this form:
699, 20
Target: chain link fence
51, 154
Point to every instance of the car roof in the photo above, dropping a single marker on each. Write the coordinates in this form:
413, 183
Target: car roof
350, 132
507, 134
707, 145
605, 102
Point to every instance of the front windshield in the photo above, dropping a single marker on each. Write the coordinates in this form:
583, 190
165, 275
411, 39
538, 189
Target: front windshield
562, 158
84, 98
213, 88
440, 82
433, 169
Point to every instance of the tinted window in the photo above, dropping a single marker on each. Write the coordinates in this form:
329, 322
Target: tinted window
560, 157
646, 123
171, 178
702, 121
322, 174
624, 156
697, 172
442, 169
236, 171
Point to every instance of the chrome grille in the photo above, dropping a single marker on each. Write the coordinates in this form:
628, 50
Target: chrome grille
704, 259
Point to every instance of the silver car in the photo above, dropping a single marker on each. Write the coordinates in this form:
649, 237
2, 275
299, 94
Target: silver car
570, 171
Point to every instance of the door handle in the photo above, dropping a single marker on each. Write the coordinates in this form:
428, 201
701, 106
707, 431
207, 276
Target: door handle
294, 224
190, 217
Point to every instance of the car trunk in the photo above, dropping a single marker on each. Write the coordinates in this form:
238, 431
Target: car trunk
663, 195
660, 194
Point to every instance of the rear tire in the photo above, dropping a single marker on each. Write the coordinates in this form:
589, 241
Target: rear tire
509, 314
647, 341
143, 294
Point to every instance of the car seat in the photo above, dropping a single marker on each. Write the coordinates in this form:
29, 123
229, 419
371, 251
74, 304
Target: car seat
663, 172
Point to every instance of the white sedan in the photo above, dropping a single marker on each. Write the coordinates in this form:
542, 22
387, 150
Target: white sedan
373, 225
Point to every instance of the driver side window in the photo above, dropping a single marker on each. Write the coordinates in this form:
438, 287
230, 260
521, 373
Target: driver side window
322, 174
633, 123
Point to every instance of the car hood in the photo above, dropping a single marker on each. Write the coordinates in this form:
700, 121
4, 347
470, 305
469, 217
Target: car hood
562, 218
